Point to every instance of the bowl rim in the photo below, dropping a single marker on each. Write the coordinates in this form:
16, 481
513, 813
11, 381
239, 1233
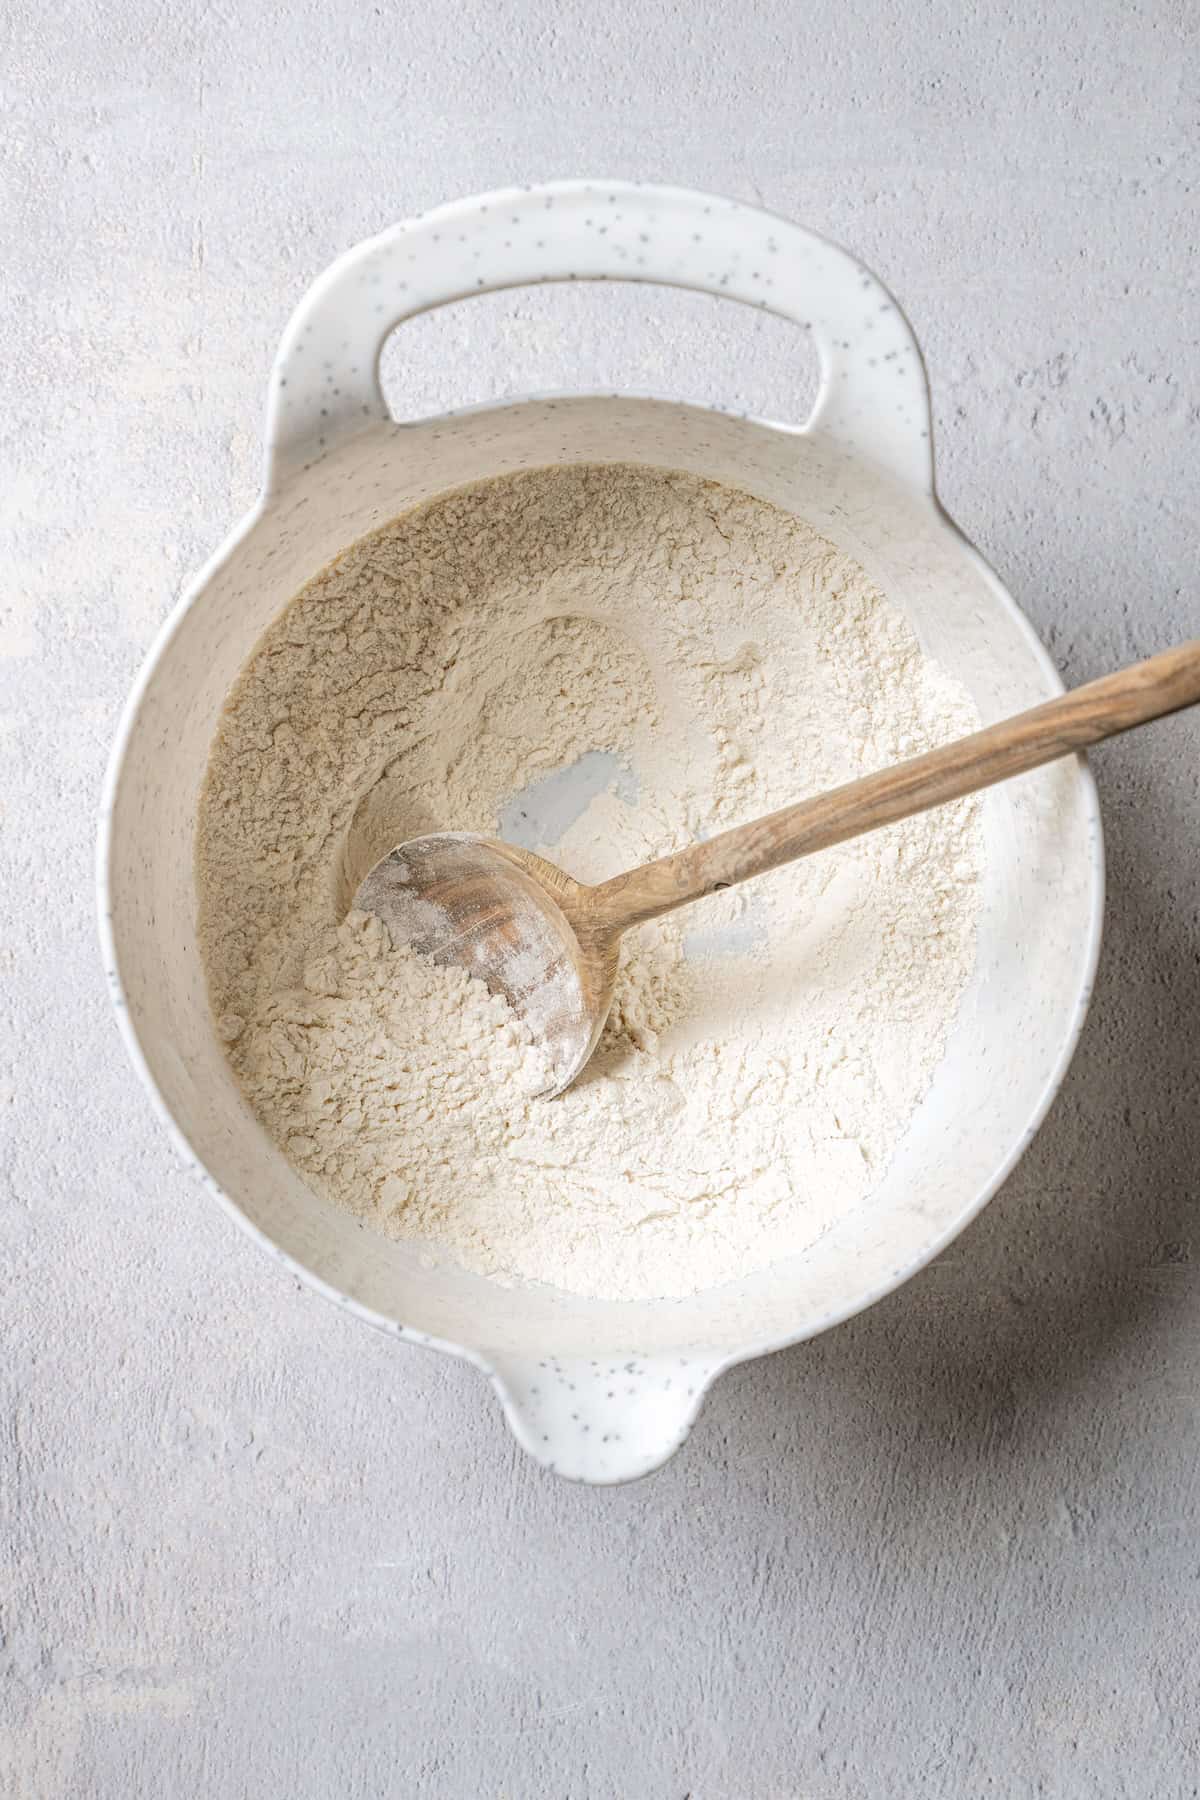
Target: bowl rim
919, 1258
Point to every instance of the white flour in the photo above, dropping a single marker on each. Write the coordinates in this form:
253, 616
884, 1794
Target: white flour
696, 658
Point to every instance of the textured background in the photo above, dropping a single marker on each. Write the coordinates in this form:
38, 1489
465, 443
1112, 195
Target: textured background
250, 1547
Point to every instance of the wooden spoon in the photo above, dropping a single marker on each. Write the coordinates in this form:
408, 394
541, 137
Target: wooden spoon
550, 944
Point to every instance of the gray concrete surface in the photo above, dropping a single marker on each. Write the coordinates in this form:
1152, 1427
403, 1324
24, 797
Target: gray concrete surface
250, 1548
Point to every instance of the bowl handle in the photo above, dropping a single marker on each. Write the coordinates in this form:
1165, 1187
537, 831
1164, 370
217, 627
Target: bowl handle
873, 399
606, 1420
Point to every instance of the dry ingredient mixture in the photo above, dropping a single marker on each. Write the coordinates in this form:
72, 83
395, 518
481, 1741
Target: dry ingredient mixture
601, 663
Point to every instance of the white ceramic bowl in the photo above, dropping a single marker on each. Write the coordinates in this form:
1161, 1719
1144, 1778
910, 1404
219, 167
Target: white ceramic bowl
602, 1391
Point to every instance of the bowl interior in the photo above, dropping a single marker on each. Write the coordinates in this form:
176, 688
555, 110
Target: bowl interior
1037, 933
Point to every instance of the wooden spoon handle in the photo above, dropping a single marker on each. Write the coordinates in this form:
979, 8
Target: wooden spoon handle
1149, 690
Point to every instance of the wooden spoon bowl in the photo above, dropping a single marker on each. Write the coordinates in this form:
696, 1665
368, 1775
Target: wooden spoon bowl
514, 920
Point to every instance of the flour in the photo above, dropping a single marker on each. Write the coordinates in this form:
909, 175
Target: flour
695, 658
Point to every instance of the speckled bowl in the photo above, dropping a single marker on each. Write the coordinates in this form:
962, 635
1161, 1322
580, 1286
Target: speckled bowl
599, 1391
